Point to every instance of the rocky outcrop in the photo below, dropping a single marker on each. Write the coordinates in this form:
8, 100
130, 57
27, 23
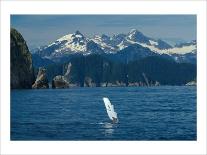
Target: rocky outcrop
88, 82
41, 80
62, 81
67, 73
22, 75
146, 79
191, 83
157, 83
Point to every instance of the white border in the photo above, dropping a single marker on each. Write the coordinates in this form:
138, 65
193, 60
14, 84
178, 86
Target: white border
101, 7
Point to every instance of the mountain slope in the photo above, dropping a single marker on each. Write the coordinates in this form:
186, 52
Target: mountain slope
77, 43
101, 71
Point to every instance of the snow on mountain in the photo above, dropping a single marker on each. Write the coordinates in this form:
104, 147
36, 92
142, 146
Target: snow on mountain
152, 42
71, 42
182, 50
123, 45
78, 43
174, 50
104, 42
136, 36
159, 46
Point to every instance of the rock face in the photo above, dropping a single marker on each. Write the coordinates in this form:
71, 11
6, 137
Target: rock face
67, 73
191, 83
22, 75
88, 82
62, 81
41, 80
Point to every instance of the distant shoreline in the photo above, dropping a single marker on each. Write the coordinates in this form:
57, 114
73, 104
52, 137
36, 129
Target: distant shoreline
113, 87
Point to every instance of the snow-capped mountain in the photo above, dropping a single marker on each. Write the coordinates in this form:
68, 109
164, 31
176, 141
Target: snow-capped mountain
68, 44
73, 42
105, 42
121, 41
77, 43
159, 46
138, 37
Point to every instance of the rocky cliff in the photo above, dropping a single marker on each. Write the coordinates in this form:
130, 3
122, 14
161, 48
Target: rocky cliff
41, 81
60, 81
22, 75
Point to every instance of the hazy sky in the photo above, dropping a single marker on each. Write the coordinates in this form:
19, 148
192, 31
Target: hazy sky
40, 30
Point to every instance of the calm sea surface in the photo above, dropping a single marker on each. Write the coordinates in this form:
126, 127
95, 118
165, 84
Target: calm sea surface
155, 113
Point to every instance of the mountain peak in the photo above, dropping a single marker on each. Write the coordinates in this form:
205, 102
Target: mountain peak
78, 43
78, 34
71, 37
137, 36
134, 31
104, 37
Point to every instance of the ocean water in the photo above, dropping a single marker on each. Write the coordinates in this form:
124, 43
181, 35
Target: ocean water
154, 113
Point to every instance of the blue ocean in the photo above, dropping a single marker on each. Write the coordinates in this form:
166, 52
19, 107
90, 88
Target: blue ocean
144, 113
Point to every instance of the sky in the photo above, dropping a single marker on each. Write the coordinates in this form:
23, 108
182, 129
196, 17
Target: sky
40, 30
